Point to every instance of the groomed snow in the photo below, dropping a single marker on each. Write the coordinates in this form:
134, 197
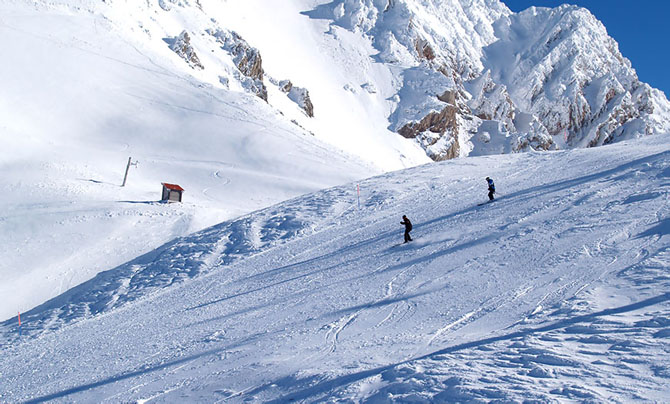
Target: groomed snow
555, 292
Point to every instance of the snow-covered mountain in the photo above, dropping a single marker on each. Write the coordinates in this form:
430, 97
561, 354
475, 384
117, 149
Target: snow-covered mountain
457, 77
555, 292
562, 67
474, 78
248, 103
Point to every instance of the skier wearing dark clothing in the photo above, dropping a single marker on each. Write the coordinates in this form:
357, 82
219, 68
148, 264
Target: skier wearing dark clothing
492, 188
408, 228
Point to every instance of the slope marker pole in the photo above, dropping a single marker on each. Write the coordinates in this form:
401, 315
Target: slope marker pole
358, 190
19, 324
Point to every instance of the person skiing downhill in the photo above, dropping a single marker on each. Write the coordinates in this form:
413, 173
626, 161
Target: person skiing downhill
492, 188
408, 228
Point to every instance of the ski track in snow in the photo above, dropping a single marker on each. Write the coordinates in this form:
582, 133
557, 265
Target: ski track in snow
557, 292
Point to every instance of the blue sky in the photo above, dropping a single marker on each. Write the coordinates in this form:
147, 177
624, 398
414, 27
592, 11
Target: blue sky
642, 29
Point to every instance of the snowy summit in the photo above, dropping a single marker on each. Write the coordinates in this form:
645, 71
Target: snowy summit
205, 201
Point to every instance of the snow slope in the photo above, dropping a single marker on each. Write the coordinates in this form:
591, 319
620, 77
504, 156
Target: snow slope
80, 94
227, 115
555, 292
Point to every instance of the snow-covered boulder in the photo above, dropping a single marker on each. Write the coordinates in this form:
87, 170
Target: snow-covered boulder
298, 95
247, 59
181, 45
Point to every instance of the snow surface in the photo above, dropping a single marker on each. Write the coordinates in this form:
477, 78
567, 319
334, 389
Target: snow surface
86, 84
555, 292
80, 94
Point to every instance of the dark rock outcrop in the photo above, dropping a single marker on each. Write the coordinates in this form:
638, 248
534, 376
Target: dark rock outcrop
247, 59
298, 95
181, 45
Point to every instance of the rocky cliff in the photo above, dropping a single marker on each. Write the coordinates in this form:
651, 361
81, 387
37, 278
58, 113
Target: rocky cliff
476, 78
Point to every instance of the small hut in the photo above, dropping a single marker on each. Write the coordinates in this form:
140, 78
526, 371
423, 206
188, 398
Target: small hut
172, 192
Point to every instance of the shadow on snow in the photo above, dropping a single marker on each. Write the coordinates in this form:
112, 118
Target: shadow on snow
329, 385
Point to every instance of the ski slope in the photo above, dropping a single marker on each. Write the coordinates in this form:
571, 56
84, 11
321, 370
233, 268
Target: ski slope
555, 292
81, 94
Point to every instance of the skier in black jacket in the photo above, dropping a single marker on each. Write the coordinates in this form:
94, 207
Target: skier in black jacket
492, 188
408, 228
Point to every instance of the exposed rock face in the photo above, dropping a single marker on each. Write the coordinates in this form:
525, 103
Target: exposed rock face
479, 79
435, 122
249, 64
437, 132
285, 86
298, 95
182, 47
247, 59
571, 76
423, 49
